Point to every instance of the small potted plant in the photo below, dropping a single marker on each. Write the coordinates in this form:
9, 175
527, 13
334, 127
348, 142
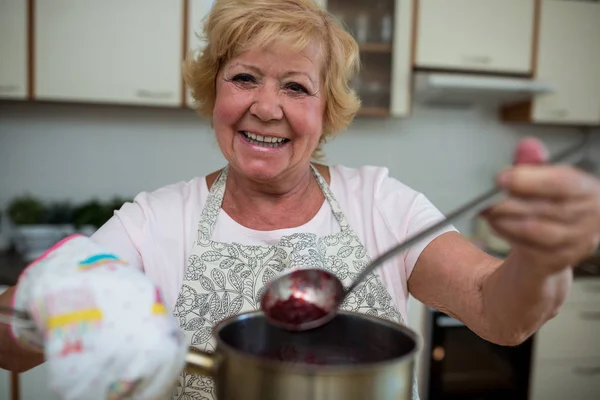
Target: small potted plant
60, 215
90, 216
33, 233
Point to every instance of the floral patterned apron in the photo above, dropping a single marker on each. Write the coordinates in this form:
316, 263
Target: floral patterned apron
224, 279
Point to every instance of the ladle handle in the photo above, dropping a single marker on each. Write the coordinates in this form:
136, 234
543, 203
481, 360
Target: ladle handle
475, 206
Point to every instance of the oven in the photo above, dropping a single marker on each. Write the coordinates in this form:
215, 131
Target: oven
464, 366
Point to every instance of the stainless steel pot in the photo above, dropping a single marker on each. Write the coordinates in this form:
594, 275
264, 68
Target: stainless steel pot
355, 356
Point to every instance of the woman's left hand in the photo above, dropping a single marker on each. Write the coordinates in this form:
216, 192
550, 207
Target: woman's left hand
552, 214
102, 324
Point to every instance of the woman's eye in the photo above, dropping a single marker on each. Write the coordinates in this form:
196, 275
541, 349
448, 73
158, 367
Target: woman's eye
296, 87
244, 78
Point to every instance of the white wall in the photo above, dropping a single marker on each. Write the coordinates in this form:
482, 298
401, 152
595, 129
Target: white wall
80, 151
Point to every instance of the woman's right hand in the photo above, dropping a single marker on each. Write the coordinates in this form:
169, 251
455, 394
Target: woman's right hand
102, 325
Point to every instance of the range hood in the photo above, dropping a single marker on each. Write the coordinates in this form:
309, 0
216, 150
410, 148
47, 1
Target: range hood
467, 90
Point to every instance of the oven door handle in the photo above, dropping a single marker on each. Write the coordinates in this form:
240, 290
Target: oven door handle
448, 322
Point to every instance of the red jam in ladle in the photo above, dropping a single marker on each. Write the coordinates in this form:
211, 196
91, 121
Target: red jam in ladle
302, 299
296, 311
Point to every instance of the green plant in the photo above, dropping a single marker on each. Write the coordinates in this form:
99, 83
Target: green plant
59, 213
95, 212
116, 203
26, 210
92, 213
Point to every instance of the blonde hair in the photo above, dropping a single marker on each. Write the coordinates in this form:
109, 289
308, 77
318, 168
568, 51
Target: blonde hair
235, 26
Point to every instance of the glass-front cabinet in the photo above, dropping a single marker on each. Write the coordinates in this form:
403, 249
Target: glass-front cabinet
383, 31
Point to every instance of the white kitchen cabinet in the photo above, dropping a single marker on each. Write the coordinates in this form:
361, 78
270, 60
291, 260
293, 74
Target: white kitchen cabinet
111, 51
481, 35
197, 12
566, 358
580, 322
5, 384
569, 57
560, 381
13, 49
34, 384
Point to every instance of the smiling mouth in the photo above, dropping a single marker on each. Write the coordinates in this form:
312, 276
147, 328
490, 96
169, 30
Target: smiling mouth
264, 141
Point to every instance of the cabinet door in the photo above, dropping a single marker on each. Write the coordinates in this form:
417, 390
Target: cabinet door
197, 11
482, 35
569, 58
5, 384
34, 384
13, 49
566, 379
111, 51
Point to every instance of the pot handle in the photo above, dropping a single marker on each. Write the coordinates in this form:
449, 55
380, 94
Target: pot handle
200, 362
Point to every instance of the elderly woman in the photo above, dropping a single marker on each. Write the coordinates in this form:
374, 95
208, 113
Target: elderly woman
273, 80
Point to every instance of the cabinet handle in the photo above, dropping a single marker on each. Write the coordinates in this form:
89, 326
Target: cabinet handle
148, 94
8, 88
590, 315
477, 59
586, 371
591, 288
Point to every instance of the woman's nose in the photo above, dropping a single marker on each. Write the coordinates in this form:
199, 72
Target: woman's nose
267, 104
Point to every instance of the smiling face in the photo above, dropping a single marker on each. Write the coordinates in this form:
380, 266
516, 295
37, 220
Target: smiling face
268, 113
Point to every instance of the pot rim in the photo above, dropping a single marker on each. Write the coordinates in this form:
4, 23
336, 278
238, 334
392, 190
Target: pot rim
223, 347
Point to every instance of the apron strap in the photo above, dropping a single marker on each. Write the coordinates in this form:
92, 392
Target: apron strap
339, 216
210, 213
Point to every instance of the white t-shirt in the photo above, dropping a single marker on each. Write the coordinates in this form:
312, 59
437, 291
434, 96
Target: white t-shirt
156, 232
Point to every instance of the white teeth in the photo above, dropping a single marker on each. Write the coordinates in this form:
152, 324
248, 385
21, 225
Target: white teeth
264, 139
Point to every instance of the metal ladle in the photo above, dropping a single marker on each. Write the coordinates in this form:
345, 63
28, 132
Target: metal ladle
311, 296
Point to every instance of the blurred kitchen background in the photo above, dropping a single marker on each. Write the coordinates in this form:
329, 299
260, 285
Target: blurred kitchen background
93, 110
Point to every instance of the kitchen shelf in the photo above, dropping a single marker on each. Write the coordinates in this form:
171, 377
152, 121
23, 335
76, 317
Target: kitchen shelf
376, 47
373, 112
